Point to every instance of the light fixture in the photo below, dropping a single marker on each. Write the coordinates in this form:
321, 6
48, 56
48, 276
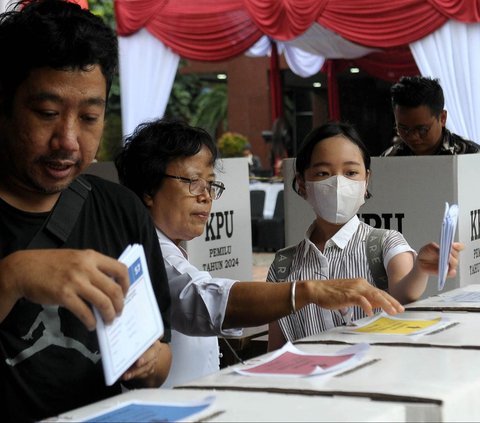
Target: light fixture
221, 76
317, 84
354, 70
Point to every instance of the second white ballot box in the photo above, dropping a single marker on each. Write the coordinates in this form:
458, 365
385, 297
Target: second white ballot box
432, 383
225, 406
409, 195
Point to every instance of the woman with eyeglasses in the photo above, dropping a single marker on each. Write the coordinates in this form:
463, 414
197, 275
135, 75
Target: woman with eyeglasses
171, 167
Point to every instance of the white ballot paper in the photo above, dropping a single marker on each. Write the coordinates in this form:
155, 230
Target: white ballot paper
449, 225
125, 339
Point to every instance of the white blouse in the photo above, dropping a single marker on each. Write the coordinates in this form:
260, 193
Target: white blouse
197, 313
344, 257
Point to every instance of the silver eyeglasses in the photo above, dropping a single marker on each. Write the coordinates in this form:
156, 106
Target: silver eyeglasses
422, 131
197, 186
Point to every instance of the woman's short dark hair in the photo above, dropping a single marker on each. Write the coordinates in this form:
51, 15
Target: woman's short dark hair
317, 135
142, 163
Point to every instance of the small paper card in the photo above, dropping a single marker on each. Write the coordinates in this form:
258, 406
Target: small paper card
449, 225
125, 339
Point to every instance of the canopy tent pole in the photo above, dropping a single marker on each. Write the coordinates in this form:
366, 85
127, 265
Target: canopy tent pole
275, 84
332, 89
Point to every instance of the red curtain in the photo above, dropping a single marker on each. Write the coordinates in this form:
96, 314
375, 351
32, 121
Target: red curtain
284, 19
195, 29
388, 65
220, 29
212, 30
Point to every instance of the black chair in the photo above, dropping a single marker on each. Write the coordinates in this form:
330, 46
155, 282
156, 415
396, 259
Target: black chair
271, 232
257, 204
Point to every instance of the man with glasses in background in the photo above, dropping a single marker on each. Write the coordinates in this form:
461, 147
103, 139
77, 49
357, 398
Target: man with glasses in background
418, 107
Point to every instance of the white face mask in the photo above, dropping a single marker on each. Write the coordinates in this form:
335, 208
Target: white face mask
336, 199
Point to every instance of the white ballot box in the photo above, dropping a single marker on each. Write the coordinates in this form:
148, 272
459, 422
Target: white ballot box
434, 384
409, 195
227, 406
225, 247
466, 298
458, 331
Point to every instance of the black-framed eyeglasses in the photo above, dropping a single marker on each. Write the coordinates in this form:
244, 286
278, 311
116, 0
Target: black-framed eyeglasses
422, 130
197, 186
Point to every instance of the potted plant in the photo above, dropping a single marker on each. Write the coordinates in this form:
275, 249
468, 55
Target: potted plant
232, 144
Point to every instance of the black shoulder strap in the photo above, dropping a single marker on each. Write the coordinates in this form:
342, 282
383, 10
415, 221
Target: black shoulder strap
374, 252
56, 229
282, 261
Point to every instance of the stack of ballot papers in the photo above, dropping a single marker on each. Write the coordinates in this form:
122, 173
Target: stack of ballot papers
449, 225
383, 324
142, 411
289, 361
125, 339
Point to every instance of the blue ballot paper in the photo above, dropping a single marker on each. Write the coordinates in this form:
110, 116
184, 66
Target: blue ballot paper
449, 225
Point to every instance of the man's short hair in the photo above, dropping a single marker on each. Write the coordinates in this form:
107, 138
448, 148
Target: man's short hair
55, 34
415, 91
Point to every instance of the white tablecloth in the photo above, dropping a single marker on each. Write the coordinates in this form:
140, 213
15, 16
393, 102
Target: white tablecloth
271, 190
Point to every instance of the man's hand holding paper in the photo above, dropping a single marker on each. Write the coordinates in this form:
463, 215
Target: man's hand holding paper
128, 343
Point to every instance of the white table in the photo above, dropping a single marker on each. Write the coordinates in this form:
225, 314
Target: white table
443, 302
271, 190
434, 384
462, 334
256, 407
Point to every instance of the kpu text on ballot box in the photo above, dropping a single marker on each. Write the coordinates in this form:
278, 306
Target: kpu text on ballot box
409, 195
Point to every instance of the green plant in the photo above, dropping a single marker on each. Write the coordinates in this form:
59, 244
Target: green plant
231, 144
211, 109
185, 89
112, 135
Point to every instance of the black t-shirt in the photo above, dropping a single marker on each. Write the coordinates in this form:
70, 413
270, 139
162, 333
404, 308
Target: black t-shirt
50, 362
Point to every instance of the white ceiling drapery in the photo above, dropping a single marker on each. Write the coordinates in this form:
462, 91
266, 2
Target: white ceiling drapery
147, 71
450, 54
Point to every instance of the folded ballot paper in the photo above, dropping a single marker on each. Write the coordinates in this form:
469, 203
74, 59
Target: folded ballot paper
449, 225
125, 339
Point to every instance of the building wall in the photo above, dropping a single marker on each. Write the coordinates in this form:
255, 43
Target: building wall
249, 111
364, 102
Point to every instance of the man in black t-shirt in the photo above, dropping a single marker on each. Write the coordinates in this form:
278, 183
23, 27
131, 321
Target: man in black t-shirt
52, 110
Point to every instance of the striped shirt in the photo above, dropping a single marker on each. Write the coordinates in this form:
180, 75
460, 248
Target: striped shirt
344, 257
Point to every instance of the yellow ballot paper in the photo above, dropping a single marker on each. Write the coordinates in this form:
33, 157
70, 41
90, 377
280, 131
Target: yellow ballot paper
388, 325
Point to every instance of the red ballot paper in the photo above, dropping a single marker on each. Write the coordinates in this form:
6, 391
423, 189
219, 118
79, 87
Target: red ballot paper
290, 361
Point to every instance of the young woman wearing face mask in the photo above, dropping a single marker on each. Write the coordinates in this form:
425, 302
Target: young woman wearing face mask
332, 172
